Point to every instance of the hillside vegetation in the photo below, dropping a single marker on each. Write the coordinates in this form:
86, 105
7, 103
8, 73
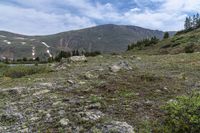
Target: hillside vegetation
152, 88
180, 43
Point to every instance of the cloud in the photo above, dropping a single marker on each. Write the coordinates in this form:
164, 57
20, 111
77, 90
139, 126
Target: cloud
50, 16
31, 21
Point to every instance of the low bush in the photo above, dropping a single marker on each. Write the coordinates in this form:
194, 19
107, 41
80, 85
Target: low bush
182, 115
20, 71
189, 48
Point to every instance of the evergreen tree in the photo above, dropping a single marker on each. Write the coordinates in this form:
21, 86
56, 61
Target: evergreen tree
77, 53
187, 23
194, 21
37, 59
198, 20
24, 59
129, 47
166, 35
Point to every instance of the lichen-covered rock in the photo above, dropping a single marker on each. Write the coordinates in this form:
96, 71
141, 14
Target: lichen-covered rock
115, 68
117, 127
64, 122
90, 115
77, 59
119, 66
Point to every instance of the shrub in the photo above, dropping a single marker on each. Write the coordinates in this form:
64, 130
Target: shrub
189, 48
20, 71
93, 54
166, 35
182, 115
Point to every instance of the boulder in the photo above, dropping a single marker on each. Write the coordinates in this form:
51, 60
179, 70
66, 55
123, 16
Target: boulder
77, 59
115, 68
118, 127
64, 122
119, 66
92, 115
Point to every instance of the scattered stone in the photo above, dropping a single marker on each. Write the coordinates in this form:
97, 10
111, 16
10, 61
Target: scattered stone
158, 91
121, 65
82, 83
49, 118
115, 68
94, 106
77, 59
88, 76
34, 118
61, 112
70, 81
165, 88
15, 90
26, 130
91, 115
45, 84
148, 102
64, 122
41, 92
117, 127
139, 58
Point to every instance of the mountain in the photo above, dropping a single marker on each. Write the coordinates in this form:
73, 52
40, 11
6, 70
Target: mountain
104, 38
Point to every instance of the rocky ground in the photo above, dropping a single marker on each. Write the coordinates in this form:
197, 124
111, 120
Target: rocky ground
118, 93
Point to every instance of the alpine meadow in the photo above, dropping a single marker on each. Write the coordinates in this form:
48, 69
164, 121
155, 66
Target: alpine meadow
99, 66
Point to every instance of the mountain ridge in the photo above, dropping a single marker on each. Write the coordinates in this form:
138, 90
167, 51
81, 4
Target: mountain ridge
107, 38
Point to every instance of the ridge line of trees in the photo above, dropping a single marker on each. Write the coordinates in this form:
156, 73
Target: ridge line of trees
192, 22
143, 43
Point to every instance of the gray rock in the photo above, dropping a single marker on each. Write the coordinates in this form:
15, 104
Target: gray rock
70, 82
61, 112
94, 106
115, 68
64, 122
118, 127
90, 115
77, 59
119, 66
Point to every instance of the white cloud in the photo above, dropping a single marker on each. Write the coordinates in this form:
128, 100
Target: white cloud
50, 16
30, 21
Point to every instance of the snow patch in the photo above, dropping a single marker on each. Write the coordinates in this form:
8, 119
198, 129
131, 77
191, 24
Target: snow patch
48, 52
19, 38
45, 44
6, 41
23, 43
32, 39
33, 53
2, 36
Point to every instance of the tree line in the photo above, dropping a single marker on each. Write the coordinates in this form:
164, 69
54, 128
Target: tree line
143, 43
57, 58
192, 22
64, 54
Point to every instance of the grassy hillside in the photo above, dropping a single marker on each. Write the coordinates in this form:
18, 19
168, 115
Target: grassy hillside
181, 43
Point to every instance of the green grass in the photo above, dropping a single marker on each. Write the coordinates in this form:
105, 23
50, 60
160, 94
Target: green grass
20, 71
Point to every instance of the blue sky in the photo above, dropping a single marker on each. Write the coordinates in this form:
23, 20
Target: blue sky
40, 17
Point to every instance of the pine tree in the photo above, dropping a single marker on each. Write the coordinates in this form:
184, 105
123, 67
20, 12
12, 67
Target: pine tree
129, 48
194, 21
198, 20
187, 23
166, 35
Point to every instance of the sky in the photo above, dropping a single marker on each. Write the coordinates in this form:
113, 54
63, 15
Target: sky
42, 17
